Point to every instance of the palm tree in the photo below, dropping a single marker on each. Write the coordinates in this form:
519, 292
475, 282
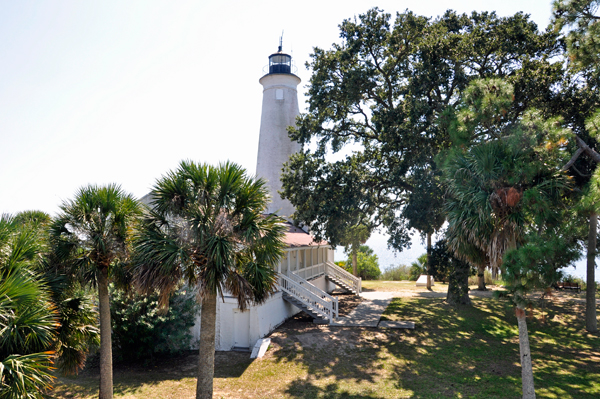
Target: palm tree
418, 267
206, 229
76, 330
499, 191
473, 178
90, 237
27, 318
507, 185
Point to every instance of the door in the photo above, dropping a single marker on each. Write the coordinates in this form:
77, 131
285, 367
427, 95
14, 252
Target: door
241, 328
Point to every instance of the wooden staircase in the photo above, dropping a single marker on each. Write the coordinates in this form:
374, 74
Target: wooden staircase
312, 300
342, 278
341, 284
317, 316
321, 306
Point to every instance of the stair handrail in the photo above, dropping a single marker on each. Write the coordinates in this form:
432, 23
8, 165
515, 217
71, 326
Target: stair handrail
312, 288
308, 272
351, 280
307, 293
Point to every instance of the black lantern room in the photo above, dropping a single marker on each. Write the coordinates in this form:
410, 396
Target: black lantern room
280, 62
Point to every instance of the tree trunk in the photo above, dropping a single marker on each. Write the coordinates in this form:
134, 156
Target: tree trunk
494, 273
481, 278
354, 261
206, 364
458, 285
106, 373
525, 352
590, 292
428, 261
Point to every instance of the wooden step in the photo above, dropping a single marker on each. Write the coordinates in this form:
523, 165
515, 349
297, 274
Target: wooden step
341, 284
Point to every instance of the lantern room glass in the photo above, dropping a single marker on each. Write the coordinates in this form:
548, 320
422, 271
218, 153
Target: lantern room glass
280, 63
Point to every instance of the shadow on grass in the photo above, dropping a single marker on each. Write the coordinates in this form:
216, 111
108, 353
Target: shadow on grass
130, 378
467, 352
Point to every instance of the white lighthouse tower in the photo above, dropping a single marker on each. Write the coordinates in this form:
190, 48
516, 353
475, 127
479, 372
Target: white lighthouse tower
279, 110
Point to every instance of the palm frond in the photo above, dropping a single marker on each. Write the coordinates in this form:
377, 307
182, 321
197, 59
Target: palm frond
206, 227
26, 376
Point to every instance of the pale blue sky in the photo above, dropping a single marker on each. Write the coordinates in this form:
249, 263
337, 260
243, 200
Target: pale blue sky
121, 91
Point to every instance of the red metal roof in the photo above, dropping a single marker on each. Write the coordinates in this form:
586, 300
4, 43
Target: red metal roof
296, 237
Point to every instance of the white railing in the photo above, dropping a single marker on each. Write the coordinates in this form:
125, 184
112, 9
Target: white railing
311, 271
309, 295
351, 281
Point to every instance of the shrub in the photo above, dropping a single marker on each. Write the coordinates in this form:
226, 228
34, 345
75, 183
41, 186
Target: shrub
367, 264
573, 279
396, 273
141, 330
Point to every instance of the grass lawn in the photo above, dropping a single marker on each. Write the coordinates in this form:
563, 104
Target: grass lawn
452, 353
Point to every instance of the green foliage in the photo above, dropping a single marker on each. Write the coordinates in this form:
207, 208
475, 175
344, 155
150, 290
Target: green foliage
483, 111
501, 188
536, 264
395, 273
445, 266
74, 327
141, 330
581, 21
390, 90
27, 317
418, 267
354, 237
92, 231
26, 376
424, 201
77, 332
367, 264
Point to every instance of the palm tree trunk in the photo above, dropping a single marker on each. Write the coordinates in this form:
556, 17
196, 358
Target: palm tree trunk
106, 373
525, 352
428, 260
481, 278
354, 261
458, 285
206, 364
590, 292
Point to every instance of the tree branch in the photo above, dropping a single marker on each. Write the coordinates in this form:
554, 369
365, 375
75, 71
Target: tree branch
586, 148
572, 160
579, 173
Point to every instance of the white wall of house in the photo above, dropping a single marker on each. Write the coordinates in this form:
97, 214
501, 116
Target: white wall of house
242, 329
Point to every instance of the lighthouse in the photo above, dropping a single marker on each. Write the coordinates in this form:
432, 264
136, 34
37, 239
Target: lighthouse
279, 110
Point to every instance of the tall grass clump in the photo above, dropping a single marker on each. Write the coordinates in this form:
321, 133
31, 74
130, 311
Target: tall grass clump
487, 275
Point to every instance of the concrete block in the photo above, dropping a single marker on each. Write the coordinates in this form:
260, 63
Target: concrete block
397, 324
422, 281
260, 348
